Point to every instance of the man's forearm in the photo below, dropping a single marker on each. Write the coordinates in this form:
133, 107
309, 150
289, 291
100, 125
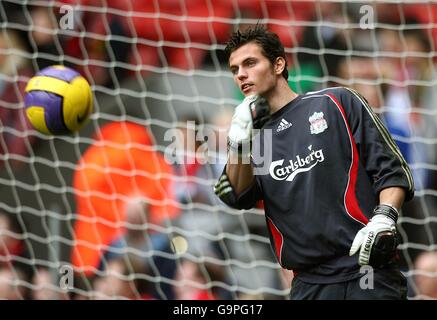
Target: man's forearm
393, 196
240, 173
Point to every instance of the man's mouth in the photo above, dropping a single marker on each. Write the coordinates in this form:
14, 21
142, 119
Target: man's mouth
246, 87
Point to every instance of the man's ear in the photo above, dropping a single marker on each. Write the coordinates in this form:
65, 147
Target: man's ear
279, 65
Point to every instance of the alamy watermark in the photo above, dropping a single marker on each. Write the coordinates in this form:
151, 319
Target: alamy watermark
204, 145
367, 20
66, 22
367, 280
66, 281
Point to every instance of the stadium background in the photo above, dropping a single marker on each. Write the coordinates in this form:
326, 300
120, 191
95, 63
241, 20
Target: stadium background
159, 64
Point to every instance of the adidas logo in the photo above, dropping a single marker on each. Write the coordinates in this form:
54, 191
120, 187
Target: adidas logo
283, 125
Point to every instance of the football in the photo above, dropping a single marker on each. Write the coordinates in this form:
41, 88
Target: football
58, 100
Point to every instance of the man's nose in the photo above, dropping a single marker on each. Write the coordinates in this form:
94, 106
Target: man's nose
242, 74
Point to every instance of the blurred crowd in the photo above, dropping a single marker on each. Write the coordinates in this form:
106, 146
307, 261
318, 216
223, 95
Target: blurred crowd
146, 229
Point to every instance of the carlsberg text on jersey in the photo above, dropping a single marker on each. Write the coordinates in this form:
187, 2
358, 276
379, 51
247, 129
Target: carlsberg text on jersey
301, 164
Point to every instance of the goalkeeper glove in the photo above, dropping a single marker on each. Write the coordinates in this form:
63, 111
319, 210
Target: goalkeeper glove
260, 111
250, 114
377, 241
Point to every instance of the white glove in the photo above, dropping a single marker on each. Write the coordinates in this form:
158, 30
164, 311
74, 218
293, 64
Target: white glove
240, 131
377, 241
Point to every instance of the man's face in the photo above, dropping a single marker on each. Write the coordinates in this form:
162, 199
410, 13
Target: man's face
253, 72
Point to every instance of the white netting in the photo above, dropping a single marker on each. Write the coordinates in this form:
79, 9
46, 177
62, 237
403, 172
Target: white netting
106, 206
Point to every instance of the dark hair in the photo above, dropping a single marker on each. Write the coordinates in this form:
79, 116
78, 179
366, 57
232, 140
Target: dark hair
271, 46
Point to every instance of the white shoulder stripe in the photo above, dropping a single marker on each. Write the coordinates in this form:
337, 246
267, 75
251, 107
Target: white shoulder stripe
320, 91
314, 96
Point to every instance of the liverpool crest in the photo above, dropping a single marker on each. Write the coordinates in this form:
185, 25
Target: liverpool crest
318, 123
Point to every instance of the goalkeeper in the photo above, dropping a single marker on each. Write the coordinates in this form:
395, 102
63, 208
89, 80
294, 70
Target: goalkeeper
335, 183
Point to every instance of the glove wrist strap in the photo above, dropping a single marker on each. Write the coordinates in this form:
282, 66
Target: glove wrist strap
387, 210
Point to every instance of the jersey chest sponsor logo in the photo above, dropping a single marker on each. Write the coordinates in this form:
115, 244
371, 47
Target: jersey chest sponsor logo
299, 164
318, 123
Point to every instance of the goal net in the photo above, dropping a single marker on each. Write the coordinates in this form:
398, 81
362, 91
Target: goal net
125, 207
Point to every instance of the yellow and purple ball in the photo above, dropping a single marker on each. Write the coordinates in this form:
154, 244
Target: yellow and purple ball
58, 100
